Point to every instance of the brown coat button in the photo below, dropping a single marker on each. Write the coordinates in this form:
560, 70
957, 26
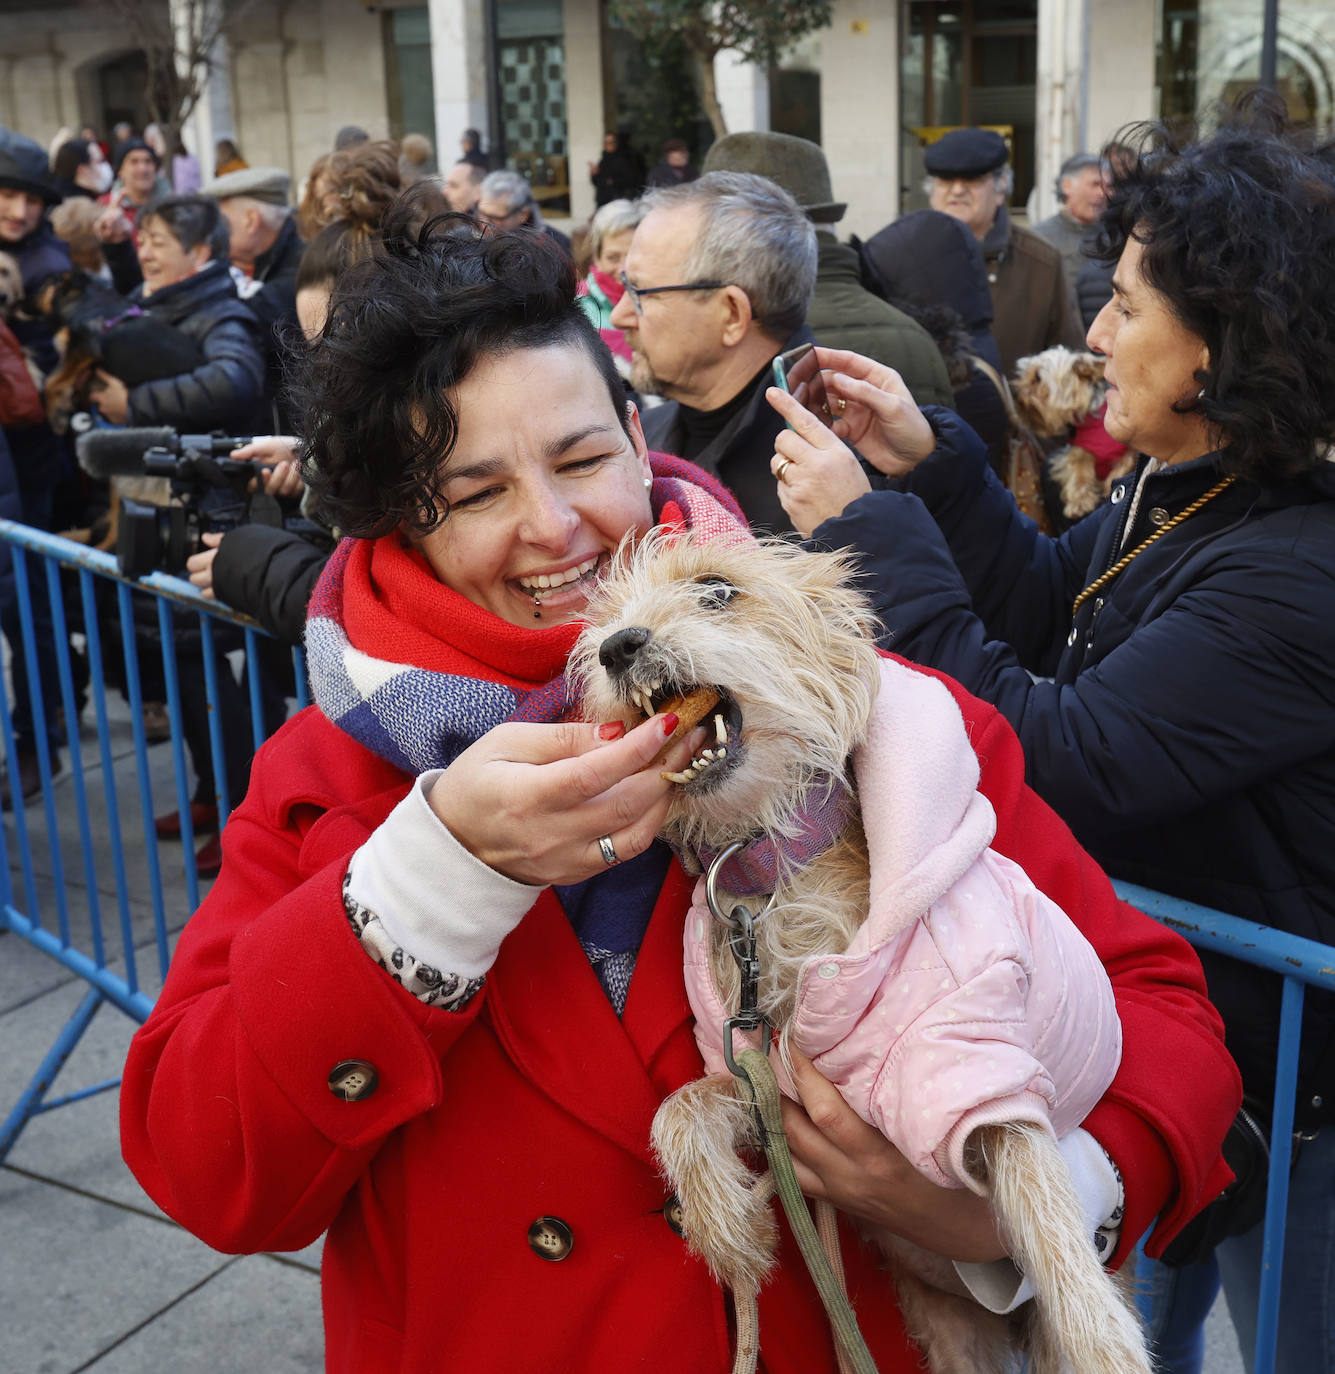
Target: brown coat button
353, 1080
672, 1215
550, 1238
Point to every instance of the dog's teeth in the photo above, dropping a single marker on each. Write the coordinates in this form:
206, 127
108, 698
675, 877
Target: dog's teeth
682, 778
722, 754
707, 754
720, 730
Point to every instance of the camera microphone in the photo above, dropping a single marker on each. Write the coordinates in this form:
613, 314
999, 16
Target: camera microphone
107, 453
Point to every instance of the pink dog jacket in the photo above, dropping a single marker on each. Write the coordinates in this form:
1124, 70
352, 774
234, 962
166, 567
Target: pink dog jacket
967, 997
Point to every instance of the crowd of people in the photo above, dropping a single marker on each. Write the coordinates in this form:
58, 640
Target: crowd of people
439, 973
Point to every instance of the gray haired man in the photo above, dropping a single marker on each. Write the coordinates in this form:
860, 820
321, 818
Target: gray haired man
265, 251
718, 278
970, 178
1081, 191
505, 201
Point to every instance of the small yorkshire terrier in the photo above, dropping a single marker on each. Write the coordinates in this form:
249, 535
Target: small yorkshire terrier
1060, 395
893, 951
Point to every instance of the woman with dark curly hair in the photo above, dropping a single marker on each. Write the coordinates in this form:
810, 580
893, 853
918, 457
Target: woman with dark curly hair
436, 994
1169, 663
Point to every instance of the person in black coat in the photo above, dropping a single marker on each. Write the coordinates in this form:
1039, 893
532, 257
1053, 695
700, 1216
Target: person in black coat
619, 173
182, 253
1169, 662
930, 259
38, 460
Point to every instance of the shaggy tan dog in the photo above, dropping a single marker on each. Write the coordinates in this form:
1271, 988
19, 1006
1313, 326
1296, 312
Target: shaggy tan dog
1054, 392
783, 644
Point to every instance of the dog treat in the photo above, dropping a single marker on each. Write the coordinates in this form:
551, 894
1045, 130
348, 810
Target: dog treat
691, 709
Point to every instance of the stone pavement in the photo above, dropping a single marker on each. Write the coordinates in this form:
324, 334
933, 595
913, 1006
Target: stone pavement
93, 1277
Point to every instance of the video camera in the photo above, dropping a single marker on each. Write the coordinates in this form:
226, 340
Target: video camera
209, 490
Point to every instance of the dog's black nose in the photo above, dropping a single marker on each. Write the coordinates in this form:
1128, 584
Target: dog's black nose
617, 652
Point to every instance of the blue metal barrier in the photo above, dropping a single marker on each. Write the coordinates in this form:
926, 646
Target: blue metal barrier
84, 951
47, 570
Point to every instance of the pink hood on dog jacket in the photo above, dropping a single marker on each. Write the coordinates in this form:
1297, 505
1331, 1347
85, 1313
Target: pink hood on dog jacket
967, 997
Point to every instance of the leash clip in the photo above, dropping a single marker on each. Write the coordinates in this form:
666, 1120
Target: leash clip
749, 1017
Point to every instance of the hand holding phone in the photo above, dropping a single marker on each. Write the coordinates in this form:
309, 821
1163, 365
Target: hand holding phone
798, 372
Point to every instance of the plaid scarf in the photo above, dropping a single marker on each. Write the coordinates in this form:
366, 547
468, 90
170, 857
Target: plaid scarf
416, 672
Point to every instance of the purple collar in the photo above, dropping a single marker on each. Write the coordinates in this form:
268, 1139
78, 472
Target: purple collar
767, 860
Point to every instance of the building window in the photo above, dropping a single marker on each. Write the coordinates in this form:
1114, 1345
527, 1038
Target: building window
531, 82
1210, 51
412, 103
967, 62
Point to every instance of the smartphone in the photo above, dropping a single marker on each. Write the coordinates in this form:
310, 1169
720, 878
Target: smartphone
798, 373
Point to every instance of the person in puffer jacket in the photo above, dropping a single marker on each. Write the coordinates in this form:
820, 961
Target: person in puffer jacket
183, 257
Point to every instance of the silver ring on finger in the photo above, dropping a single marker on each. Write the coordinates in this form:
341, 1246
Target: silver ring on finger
784, 465
609, 853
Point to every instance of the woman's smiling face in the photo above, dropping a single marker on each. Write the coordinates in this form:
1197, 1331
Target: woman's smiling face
542, 484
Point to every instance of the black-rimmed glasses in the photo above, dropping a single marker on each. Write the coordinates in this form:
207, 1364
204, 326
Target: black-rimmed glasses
637, 293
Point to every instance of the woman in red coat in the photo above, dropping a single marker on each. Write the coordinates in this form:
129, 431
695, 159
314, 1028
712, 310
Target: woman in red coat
421, 1010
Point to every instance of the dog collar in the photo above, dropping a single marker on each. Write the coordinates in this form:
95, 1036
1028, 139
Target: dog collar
768, 859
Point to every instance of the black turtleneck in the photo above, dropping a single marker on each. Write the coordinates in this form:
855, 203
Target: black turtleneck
699, 428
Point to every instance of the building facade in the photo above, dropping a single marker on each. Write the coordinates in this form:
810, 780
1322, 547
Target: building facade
543, 80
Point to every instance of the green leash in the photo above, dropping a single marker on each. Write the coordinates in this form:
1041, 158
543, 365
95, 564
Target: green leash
753, 1068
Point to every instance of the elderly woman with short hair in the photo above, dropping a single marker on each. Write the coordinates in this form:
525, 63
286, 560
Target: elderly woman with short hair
1169, 662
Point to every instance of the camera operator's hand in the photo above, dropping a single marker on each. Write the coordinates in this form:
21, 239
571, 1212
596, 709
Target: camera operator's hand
112, 397
284, 480
278, 453
200, 565
112, 225
269, 449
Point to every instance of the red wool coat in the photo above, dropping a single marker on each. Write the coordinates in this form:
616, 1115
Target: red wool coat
536, 1101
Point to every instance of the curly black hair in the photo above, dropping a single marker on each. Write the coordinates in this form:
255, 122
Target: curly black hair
406, 326
1239, 238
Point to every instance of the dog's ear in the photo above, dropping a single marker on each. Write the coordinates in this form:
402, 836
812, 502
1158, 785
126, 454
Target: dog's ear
1089, 366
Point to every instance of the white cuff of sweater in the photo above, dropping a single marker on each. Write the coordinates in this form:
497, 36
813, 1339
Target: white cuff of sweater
999, 1285
436, 901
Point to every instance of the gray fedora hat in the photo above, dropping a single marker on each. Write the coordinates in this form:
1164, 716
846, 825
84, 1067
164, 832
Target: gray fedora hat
795, 164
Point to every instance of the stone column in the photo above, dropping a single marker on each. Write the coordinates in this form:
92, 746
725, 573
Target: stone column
213, 117
458, 74
743, 92
586, 99
1061, 121
859, 112
1120, 78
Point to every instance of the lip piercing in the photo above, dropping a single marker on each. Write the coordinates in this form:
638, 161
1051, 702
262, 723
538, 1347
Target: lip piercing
537, 607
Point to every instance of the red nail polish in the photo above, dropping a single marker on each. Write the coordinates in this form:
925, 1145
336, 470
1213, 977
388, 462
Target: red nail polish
612, 729
670, 722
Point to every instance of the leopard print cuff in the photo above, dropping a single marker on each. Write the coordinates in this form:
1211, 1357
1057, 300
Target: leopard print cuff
447, 991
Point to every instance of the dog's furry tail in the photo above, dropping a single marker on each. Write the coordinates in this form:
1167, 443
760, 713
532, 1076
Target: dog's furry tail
727, 1219
1082, 1322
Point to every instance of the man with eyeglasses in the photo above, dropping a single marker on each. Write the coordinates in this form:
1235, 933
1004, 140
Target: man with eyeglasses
718, 279
505, 201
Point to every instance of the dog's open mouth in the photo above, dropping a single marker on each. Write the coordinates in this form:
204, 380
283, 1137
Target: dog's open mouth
713, 707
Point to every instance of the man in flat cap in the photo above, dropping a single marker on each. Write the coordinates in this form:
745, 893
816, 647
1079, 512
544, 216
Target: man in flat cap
265, 252
843, 313
969, 177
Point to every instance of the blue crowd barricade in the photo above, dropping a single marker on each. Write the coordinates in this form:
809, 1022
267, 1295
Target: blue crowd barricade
85, 883
1301, 963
